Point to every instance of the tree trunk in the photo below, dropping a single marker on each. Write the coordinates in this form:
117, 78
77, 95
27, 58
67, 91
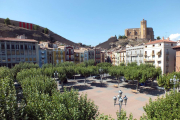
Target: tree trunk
62, 85
137, 85
118, 82
85, 81
74, 77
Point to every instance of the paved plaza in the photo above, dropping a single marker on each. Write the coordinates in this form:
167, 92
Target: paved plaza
103, 95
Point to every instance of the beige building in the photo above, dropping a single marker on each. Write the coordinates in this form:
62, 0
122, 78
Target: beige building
143, 32
161, 54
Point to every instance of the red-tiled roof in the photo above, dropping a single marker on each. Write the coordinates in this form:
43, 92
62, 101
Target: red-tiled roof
16, 39
176, 47
160, 41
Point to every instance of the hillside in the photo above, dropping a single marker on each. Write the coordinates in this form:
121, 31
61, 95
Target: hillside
106, 44
14, 30
114, 42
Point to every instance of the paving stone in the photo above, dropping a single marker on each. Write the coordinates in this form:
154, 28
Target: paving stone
109, 88
141, 108
141, 99
98, 91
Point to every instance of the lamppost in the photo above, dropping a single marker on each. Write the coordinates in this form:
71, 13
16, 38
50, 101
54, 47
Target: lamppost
100, 74
174, 81
55, 74
120, 101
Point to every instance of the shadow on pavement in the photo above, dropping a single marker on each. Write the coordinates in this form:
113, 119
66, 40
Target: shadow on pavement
69, 83
144, 89
114, 81
79, 87
99, 84
82, 81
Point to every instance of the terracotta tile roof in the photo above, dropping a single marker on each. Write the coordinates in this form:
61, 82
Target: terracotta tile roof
160, 41
176, 47
16, 39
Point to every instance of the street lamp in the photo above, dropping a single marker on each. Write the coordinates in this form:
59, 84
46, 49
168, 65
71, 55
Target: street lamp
120, 101
174, 81
55, 74
100, 74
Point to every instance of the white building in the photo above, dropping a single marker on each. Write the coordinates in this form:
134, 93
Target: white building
161, 54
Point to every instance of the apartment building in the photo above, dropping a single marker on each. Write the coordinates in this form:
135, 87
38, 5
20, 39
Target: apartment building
15, 50
42, 56
50, 55
161, 54
97, 55
78, 55
177, 67
69, 53
86, 55
135, 54
58, 55
122, 56
91, 53
102, 56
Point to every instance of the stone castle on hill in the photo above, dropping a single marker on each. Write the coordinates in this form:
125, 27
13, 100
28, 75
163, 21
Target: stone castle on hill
143, 32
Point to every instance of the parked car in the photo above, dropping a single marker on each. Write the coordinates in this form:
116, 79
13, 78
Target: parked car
96, 77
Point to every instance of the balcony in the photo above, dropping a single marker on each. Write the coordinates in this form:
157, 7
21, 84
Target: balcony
167, 65
140, 55
153, 54
149, 60
135, 54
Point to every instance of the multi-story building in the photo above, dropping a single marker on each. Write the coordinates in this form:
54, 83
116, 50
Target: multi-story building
91, 54
117, 58
161, 54
114, 54
69, 53
97, 55
140, 33
42, 56
122, 55
78, 55
50, 55
58, 55
85, 55
15, 50
135, 54
177, 48
102, 56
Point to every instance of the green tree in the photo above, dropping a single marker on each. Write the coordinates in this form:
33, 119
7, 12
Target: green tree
164, 108
45, 30
158, 37
36, 27
7, 21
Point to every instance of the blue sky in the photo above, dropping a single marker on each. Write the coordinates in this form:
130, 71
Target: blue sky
94, 21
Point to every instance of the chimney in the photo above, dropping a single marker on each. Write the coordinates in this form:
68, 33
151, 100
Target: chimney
150, 40
162, 38
168, 39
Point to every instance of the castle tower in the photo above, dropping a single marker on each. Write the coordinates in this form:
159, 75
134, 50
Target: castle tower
143, 29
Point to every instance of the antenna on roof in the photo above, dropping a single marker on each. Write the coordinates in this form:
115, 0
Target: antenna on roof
166, 35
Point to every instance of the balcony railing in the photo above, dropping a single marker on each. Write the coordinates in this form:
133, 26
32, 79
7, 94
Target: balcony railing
167, 53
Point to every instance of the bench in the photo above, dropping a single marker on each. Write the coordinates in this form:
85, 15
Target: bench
134, 91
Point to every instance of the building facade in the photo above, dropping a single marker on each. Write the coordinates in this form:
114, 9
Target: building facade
177, 48
91, 54
14, 50
97, 55
122, 56
161, 54
135, 54
86, 55
140, 33
102, 56
69, 53
58, 55
50, 55
42, 56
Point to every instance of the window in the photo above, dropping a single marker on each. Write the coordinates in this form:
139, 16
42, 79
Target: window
9, 59
22, 59
8, 46
153, 45
25, 47
171, 44
145, 46
29, 47
34, 47
12, 47
17, 59
159, 44
21, 47
2, 46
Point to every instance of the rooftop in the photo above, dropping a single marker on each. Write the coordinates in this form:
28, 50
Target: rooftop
176, 47
160, 41
17, 39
